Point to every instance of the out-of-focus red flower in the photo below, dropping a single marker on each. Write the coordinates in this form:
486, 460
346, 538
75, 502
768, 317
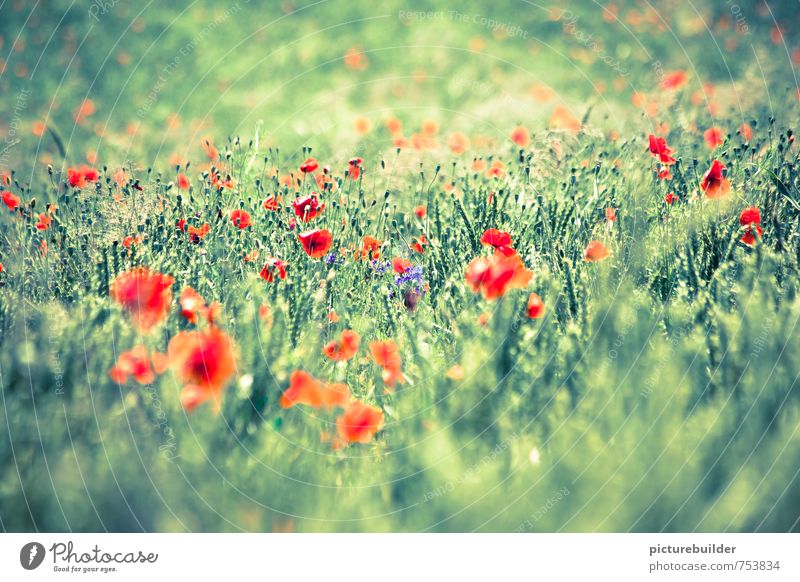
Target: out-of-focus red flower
129, 241
418, 244
714, 137
714, 184
746, 132
458, 142
81, 177
386, 354
520, 136
271, 268
535, 307
674, 80
494, 276
751, 219
12, 201
305, 389
611, 215
371, 248
181, 225
664, 173
359, 423
595, 252
211, 151
496, 170
495, 238
563, 118
316, 243
307, 207
355, 59
310, 165
84, 110
193, 305
204, 361
272, 203
133, 363
399, 265
344, 348
183, 182
671, 198
197, 234
354, 168
240, 219
660, 150
420, 211
146, 295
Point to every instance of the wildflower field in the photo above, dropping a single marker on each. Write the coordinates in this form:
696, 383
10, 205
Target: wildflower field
326, 266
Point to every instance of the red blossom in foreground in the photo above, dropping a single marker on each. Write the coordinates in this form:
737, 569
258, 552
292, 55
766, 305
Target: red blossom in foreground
134, 363
204, 361
386, 354
12, 201
751, 219
494, 276
307, 207
272, 203
714, 184
359, 423
660, 150
310, 165
146, 295
316, 243
535, 307
399, 265
271, 268
371, 248
344, 348
595, 252
240, 219
305, 389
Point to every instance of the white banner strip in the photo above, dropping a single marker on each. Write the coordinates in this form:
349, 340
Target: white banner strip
401, 557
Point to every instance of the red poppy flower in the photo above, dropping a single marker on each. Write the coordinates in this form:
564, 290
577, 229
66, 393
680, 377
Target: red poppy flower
197, 234
192, 305
595, 252
714, 184
211, 151
519, 135
496, 238
458, 143
714, 137
344, 348
240, 219
10, 200
535, 307
611, 215
44, 222
144, 294
386, 354
181, 224
399, 265
316, 243
307, 207
751, 218
310, 165
359, 423
80, 177
305, 389
674, 80
660, 150
420, 211
129, 241
496, 170
671, 198
371, 248
204, 361
418, 244
272, 267
494, 276
664, 173
183, 182
746, 132
354, 168
272, 203
133, 363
